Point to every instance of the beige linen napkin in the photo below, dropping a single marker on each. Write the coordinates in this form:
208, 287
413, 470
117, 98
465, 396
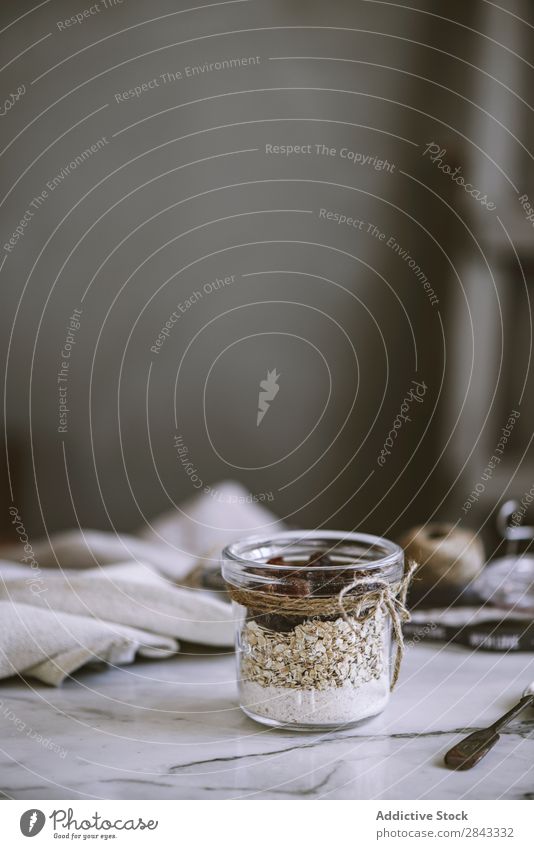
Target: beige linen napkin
101, 596
172, 544
42, 644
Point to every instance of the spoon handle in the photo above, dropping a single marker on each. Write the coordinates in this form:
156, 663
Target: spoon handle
515, 711
473, 748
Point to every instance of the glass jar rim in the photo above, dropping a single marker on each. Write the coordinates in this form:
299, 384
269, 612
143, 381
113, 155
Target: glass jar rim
391, 552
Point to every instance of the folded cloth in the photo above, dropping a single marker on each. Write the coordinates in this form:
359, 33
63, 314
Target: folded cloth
172, 544
90, 595
49, 646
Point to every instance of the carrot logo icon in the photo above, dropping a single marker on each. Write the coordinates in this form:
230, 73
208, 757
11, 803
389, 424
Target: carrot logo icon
32, 822
268, 392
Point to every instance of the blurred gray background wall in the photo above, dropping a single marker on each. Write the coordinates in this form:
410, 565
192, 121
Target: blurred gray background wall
184, 188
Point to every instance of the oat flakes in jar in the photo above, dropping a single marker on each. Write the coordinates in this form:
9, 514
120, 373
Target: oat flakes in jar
315, 615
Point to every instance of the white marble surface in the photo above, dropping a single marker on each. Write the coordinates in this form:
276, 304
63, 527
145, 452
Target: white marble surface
172, 730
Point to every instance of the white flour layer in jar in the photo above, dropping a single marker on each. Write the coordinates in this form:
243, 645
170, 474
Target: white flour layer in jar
332, 706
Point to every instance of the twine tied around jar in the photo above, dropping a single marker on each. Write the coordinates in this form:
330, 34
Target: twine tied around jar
381, 597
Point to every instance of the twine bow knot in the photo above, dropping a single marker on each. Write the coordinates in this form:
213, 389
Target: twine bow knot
382, 596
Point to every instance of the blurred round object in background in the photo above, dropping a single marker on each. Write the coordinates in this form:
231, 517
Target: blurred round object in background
508, 582
449, 559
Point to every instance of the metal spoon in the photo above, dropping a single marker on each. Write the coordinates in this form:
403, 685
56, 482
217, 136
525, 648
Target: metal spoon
473, 748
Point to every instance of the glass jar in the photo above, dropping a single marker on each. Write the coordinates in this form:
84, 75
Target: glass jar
313, 625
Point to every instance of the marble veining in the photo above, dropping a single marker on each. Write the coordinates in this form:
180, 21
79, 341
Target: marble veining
172, 730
